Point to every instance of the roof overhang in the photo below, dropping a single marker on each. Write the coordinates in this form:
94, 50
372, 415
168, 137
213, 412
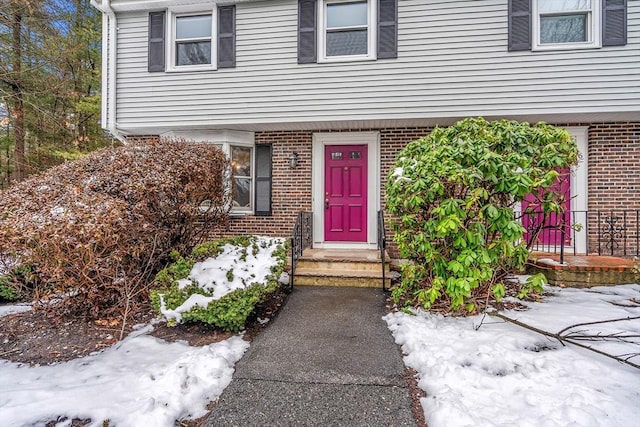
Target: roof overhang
135, 5
566, 119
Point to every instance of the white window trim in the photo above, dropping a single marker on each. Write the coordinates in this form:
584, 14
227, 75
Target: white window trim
226, 147
225, 139
171, 53
371, 33
372, 141
594, 31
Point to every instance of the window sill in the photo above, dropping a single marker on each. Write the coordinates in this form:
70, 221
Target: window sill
189, 69
354, 58
238, 215
568, 46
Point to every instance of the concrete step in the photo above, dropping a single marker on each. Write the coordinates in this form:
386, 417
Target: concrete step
348, 268
339, 265
356, 279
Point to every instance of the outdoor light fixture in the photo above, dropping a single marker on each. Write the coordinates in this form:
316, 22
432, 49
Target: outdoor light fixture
293, 160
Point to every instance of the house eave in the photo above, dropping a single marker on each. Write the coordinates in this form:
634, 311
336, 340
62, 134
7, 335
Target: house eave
376, 123
136, 5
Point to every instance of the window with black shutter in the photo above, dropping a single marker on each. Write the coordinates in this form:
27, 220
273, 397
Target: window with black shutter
339, 30
192, 44
571, 24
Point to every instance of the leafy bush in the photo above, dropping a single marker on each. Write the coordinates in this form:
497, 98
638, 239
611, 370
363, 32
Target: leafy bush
98, 229
15, 281
453, 192
7, 291
180, 299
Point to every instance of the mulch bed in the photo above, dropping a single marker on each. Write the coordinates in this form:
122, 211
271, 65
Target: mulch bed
33, 338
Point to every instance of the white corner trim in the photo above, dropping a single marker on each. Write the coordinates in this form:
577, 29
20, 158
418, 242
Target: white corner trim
372, 141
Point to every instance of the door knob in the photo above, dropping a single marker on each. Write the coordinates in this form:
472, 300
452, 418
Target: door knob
326, 203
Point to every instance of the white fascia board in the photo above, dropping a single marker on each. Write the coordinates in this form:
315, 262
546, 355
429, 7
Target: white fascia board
135, 5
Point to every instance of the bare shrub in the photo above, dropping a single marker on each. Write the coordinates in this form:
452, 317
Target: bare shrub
96, 230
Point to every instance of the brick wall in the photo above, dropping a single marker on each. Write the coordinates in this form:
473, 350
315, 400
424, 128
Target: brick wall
291, 188
613, 162
614, 187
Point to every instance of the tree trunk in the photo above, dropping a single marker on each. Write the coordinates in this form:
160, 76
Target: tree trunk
18, 101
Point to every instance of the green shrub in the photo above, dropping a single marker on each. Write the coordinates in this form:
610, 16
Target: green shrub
16, 282
230, 311
452, 195
7, 292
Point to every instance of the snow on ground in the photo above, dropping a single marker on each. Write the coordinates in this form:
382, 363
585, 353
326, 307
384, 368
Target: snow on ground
236, 267
505, 375
140, 381
7, 309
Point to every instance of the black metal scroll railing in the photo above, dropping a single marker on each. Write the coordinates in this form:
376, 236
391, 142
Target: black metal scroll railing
602, 232
301, 239
382, 246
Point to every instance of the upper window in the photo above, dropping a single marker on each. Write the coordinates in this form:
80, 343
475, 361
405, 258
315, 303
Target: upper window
183, 39
566, 24
193, 40
347, 32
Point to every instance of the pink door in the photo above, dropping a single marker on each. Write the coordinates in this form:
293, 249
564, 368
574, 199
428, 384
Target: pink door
345, 193
551, 232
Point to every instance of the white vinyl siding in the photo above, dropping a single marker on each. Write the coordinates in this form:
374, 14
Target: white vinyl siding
452, 62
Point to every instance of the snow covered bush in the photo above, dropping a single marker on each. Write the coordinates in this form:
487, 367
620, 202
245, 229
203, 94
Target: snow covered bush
452, 194
98, 229
222, 282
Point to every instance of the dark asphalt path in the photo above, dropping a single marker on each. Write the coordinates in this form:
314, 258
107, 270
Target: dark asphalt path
327, 359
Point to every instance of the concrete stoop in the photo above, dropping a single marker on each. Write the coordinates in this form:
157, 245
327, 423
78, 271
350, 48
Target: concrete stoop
361, 268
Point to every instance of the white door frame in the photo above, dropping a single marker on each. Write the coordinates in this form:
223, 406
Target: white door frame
578, 185
372, 141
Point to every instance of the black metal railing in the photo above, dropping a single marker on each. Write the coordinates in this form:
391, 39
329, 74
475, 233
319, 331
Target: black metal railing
382, 246
602, 232
301, 239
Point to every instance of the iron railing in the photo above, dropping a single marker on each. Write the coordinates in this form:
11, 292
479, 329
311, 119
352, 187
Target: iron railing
610, 232
382, 246
301, 239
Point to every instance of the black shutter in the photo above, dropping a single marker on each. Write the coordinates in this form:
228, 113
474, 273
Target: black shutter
227, 36
263, 180
156, 41
307, 39
519, 25
387, 29
614, 22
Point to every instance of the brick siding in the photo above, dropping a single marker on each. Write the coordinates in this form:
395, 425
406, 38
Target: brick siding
614, 184
613, 173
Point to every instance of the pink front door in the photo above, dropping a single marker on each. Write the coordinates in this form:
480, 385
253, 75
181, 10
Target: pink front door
552, 231
345, 193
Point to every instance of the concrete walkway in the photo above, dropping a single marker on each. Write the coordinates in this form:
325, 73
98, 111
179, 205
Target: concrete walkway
328, 359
